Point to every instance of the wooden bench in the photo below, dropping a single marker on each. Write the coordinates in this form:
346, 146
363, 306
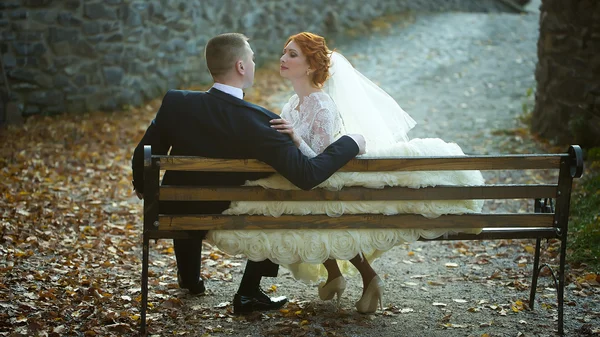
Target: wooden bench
549, 219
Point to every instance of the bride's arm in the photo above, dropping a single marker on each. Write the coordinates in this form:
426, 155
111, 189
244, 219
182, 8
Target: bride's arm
322, 130
321, 133
284, 126
306, 150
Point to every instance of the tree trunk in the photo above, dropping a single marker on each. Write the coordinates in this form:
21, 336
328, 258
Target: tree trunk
567, 102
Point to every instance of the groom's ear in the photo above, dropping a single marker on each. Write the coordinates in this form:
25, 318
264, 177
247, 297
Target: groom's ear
239, 67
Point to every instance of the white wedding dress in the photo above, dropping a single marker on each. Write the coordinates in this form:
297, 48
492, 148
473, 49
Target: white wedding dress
319, 123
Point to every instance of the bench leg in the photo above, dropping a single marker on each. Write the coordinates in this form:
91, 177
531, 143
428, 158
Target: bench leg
144, 285
561, 285
536, 273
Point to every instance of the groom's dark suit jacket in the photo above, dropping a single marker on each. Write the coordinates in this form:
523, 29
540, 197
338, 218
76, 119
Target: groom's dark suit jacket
216, 124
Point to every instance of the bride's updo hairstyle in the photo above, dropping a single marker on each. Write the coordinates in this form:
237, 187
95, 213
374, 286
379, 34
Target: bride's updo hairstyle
317, 55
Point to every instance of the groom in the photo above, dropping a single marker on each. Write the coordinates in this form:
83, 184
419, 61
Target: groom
220, 124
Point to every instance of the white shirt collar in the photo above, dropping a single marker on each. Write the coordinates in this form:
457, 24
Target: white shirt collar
233, 91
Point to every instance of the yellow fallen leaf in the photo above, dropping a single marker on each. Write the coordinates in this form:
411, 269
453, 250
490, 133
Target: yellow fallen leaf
530, 249
411, 253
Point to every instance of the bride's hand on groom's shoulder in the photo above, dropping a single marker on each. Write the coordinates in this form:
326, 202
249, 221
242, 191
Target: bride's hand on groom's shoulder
283, 126
360, 141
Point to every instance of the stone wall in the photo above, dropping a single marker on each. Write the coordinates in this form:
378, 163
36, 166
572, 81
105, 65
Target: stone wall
567, 108
83, 55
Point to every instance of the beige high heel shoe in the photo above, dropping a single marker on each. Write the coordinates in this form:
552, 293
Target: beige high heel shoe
329, 290
373, 295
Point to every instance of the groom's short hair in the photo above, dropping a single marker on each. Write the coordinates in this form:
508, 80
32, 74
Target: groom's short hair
222, 51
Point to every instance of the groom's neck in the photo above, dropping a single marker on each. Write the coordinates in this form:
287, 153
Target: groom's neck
231, 84
230, 80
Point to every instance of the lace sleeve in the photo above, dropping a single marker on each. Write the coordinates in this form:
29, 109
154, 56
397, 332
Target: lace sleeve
285, 114
306, 150
322, 130
321, 133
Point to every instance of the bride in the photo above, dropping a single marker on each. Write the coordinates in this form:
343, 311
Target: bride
331, 99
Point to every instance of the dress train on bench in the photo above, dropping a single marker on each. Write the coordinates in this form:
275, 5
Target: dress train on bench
304, 251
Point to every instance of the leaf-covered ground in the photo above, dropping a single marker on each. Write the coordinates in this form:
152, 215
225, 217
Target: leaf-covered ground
68, 231
70, 247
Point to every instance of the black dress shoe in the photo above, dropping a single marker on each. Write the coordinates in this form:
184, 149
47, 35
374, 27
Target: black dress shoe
259, 301
194, 289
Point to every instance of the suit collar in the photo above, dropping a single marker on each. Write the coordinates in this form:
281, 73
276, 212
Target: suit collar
233, 91
240, 102
223, 95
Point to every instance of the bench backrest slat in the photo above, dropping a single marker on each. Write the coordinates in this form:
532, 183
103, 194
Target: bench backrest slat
217, 221
568, 165
248, 193
507, 162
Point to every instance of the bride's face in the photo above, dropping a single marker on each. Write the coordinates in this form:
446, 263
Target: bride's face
293, 63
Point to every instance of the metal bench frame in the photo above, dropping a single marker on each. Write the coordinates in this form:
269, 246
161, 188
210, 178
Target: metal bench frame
548, 221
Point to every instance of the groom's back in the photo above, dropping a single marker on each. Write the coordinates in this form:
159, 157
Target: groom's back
198, 123
202, 124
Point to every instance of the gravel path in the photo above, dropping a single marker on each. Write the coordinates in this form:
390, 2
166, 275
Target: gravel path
462, 76
457, 74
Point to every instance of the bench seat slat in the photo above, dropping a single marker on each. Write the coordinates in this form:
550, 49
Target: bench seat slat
506, 162
502, 233
251, 193
486, 234
206, 222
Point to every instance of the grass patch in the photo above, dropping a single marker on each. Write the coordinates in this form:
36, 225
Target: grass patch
584, 238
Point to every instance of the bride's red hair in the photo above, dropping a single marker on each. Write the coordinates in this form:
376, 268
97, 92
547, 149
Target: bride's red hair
317, 55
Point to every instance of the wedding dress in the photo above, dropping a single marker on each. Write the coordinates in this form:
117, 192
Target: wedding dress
319, 121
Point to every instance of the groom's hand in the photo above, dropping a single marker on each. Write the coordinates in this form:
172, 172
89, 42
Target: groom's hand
360, 141
283, 126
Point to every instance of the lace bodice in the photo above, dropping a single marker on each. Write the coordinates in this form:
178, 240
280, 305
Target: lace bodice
316, 121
